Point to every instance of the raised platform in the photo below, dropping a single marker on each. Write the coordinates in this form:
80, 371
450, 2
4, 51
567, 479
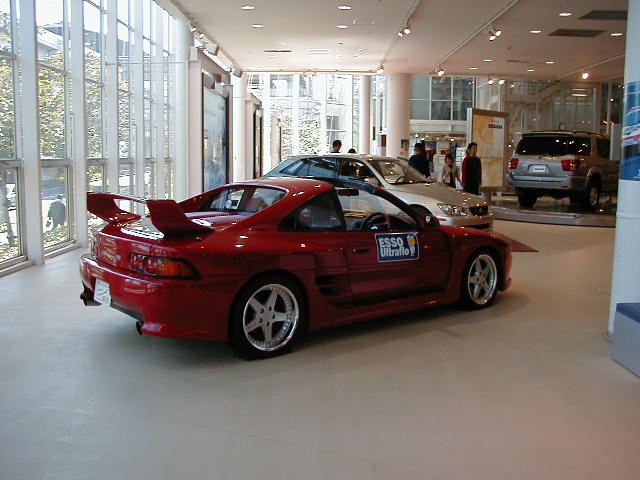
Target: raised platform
557, 212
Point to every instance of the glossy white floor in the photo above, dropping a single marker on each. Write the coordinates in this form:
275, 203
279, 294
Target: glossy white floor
523, 390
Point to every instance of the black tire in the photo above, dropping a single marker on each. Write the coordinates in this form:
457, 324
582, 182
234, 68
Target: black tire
284, 309
591, 196
527, 199
486, 291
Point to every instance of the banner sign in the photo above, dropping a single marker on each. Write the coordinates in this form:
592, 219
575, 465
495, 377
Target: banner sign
393, 247
630, 167
489, 130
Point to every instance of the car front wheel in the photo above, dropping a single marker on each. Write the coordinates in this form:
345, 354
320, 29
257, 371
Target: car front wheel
480, 280
266, 317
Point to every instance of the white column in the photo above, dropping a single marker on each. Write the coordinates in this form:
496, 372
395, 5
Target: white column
194, 124
249, 132
79, 167
239, 153
138, 108
398, 103
160, 141
31, 139
295, 115
184, 39
626, 262
111, 100
364, 123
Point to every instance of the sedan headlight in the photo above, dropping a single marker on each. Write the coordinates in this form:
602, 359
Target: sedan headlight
453, 210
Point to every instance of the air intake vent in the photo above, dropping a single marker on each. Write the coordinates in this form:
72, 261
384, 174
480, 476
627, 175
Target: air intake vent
568, 32
605, 15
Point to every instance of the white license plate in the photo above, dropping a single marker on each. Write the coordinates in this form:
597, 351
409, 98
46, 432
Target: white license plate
538, 169
102, 293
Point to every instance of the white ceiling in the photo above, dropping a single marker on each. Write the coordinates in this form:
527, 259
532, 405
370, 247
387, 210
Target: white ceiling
452, 34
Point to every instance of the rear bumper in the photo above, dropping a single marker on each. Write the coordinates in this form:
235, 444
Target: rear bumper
548, 184
194, 309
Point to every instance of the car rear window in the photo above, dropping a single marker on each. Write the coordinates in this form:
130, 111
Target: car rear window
248, 199
553, 145
311, 167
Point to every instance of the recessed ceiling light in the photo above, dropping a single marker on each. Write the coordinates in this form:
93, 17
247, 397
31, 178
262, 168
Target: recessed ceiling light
257, 25
565, 14
247, 7
487, 60
531, 69
344, 7
535, 31
616, 34
342, 26
585, 75
473, 68
549, 62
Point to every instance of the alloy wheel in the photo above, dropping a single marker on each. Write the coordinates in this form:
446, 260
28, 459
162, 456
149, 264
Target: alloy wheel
482, 279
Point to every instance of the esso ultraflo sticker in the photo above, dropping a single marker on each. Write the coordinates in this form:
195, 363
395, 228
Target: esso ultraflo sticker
393, 247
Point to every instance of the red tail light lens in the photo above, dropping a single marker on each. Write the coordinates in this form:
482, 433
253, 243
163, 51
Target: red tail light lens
570, 165
160, 266
513, 164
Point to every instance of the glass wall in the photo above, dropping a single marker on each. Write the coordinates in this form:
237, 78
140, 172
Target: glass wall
311, 110
73, 61
441, 98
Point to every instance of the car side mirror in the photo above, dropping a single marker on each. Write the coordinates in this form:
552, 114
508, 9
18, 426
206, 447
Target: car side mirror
431, 221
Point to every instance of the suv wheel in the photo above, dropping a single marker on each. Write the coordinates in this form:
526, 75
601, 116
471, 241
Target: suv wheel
527, 199
591, 197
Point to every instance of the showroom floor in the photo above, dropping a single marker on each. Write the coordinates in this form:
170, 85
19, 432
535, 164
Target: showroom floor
523, 390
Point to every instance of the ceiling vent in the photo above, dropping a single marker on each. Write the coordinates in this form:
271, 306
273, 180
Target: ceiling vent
605, 15
518, 61
275, 50
317, 51
569, 32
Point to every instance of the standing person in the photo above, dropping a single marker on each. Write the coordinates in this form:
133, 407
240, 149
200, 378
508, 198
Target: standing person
57, 212
337, 145
450, 171
352, 150
472, 170
419, 160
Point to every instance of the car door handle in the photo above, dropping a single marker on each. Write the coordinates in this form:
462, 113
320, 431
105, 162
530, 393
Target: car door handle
361, 249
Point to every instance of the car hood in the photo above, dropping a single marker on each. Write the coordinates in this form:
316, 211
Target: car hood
438, 192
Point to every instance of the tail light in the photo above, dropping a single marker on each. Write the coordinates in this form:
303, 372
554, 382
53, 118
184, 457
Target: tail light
513, 163
570, 165
160, 266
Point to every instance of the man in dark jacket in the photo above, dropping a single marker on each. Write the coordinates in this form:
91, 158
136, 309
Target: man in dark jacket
57, 212
420, 160
472, 170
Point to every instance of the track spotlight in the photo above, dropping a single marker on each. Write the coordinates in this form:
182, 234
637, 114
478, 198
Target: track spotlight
497, 33
490, 82
494, 33
380, 71
492, 37
400, 34
585, 75
501, 81
441, 73
407, 29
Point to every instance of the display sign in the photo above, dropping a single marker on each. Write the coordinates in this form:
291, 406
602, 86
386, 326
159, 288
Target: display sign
630, 167
489, 130
393, 247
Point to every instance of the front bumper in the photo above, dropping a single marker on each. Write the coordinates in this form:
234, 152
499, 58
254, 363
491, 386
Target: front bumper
194, 309
481, 222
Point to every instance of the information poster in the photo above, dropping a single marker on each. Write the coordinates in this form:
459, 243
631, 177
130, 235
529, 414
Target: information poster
630, 168
489, 130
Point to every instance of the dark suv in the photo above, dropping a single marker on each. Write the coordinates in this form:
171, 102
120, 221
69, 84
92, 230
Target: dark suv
563, 164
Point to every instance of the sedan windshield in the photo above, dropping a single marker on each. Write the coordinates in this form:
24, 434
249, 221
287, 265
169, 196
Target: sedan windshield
397, 172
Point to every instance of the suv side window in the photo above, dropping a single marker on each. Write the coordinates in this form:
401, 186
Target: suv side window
312, 167
604, 147
354, 169
320, 214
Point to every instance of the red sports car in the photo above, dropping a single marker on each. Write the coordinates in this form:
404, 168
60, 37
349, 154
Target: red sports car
256, 263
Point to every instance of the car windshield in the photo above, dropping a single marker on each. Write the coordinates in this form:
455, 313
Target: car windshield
397, 172
552, 145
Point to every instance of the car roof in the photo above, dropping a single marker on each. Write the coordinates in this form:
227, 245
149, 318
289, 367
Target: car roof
300, 185
359, 156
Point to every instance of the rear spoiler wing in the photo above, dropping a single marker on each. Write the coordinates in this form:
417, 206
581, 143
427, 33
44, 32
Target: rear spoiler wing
166, 215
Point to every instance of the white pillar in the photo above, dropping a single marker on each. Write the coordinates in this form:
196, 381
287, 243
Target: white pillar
157, 132
110, 66
137, 80
32, 225
364, 115
398, 102
626, 262
239, 152
79, 167
194, 125
184, 39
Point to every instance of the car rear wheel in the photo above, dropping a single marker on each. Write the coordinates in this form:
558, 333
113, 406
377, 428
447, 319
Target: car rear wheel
527, 199
591, 197
266, 317
480, 280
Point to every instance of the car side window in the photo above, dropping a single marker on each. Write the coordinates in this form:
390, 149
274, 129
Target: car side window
354, 169
604, 147
583, 145
360, 205
312, 167
244, 200
320, 214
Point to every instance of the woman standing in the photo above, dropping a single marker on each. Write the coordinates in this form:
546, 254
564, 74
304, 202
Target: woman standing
472, 170
450, 172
